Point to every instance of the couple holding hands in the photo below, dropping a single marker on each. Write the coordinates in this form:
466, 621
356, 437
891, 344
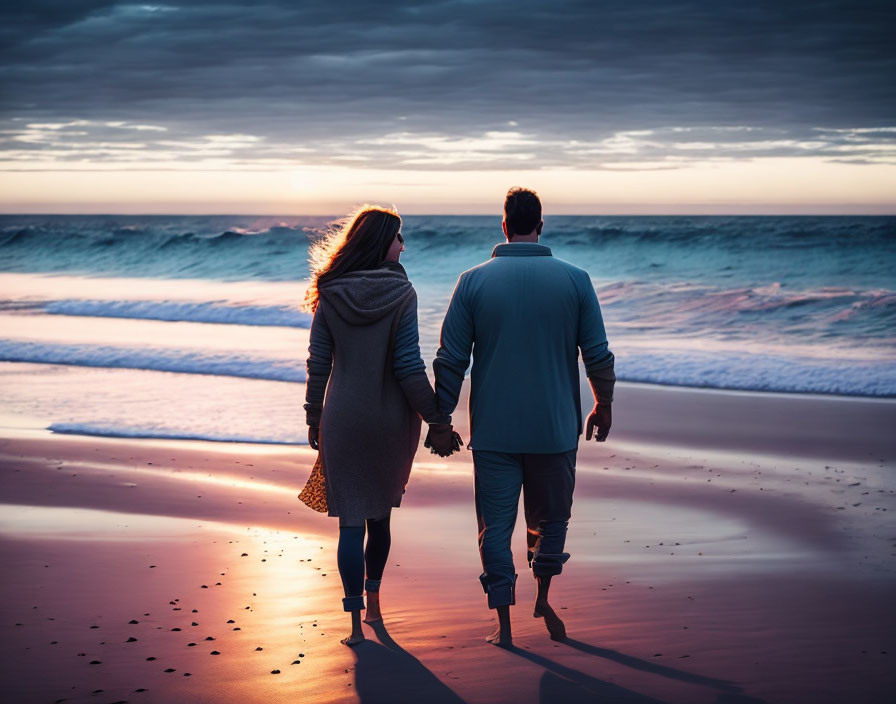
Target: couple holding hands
524, 316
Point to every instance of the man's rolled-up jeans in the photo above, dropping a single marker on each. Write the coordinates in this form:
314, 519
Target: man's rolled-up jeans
547, 481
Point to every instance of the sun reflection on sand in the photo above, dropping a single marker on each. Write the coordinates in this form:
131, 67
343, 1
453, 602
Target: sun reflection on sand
226, 480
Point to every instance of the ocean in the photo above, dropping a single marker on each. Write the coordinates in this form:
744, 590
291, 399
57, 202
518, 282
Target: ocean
189, 327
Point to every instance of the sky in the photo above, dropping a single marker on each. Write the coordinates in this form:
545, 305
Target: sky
662, 106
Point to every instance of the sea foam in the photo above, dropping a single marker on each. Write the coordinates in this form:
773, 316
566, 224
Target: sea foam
184, 361
197, 312
122, 431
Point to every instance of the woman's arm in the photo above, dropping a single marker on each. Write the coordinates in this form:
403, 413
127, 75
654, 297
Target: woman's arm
411, 371
318, 368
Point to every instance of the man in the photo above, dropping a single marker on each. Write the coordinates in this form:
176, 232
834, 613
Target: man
524, 316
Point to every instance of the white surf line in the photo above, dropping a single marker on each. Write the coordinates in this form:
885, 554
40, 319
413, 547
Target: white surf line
161, 360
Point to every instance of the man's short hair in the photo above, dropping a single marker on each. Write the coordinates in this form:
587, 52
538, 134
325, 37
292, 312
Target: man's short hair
522, 211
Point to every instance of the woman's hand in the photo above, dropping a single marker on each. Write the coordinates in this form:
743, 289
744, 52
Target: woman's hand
314, 437
442, 439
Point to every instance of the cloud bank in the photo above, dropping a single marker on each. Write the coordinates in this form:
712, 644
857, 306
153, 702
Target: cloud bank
443, 85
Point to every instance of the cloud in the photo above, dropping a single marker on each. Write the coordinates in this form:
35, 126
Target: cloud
446, 84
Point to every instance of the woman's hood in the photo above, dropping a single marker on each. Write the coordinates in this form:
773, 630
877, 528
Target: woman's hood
364, 297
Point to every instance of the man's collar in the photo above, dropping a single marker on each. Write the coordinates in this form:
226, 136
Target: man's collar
521, 249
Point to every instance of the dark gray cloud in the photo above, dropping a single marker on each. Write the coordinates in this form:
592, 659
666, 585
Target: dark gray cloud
447, 84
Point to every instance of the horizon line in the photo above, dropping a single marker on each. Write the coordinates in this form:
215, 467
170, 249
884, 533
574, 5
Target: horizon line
449, 214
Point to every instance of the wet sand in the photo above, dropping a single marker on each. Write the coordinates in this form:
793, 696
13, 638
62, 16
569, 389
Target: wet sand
725, 548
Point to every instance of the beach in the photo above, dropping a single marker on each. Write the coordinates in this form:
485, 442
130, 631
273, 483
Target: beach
726, 547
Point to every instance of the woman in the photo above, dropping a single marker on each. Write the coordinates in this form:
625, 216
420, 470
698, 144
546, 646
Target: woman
364, 342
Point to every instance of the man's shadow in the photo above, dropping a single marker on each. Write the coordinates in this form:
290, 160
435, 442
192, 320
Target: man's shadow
561, 683
652, 667
564, 684
386, 673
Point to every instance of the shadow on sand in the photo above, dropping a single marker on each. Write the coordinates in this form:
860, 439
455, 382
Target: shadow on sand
652, 667
386, 673
564, 684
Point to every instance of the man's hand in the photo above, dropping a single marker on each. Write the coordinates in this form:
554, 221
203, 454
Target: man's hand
601, 418
442, 440
314, 437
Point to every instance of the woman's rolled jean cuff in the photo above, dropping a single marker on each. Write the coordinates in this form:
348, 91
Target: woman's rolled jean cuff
353, 603
548, 564
502, 593
372, 585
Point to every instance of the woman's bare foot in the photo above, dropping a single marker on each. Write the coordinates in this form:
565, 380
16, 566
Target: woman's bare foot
357, 635
353, 639
551, 620
372, 615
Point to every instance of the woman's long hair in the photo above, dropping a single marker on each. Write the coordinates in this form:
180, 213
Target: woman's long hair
359, 241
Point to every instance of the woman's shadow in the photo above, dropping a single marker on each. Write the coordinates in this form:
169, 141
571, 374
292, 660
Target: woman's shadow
385, 672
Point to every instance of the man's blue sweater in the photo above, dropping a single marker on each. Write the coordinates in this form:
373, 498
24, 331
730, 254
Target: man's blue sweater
524, 315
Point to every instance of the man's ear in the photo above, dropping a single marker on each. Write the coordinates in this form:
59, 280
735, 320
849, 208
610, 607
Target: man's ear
504, 227
538, 228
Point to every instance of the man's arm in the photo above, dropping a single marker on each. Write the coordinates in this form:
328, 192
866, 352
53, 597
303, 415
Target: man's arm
455, 347
599, 362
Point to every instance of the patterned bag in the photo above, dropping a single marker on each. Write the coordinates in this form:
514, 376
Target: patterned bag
314, 495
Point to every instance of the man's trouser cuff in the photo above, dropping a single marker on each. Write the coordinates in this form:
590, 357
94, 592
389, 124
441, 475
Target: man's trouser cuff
372, 585
548, 564
353, 603
501, 593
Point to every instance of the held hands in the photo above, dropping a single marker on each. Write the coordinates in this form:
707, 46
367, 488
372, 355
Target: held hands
442, 439
314, 437
601, 418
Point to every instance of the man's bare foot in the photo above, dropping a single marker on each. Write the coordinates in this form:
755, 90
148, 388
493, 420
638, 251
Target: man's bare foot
372, 615
353, 639
501, 639
551, 620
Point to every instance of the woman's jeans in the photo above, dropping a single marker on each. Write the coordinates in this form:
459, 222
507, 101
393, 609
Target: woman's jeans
547, 482
351, 557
